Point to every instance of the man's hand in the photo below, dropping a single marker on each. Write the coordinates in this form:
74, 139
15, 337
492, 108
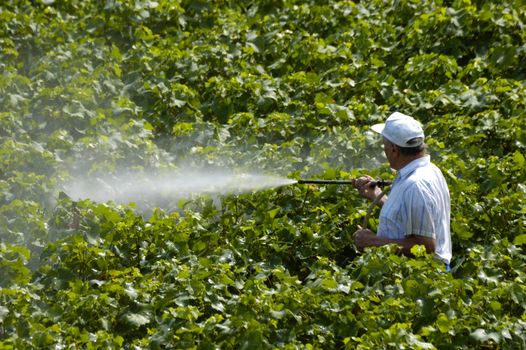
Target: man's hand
364, 238
363, 185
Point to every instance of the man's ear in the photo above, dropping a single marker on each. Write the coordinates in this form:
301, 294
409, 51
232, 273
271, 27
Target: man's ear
393, 148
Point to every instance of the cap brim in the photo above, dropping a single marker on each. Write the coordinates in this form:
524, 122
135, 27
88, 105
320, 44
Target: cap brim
378, 127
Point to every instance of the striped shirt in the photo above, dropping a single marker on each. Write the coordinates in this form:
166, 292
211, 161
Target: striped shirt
419, 204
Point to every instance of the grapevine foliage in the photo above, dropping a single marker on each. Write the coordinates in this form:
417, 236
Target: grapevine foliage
286, 87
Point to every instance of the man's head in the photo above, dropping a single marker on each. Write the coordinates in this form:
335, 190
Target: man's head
402, 130
403, 139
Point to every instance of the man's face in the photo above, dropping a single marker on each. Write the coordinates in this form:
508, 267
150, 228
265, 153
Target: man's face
390, 152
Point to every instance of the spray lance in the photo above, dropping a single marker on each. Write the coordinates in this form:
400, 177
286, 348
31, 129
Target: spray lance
374, 183
379, 183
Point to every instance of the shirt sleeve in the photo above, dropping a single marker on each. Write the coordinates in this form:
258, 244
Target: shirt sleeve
421, 206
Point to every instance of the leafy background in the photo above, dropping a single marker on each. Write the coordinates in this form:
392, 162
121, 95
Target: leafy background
285, 87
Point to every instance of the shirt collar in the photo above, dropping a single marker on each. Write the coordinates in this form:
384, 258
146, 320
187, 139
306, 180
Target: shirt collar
412, 166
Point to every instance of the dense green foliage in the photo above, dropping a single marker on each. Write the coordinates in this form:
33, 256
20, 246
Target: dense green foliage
283, 86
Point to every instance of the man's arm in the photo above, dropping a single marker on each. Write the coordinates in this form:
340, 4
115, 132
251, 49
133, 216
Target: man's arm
366, 238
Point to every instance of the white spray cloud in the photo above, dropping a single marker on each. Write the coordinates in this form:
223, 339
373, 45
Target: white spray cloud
154, 189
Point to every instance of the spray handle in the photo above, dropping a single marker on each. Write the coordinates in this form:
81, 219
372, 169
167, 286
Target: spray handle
380, 183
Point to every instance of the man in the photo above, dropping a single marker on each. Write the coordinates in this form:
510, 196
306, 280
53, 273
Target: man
418, 208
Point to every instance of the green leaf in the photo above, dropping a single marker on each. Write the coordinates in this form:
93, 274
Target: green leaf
136, 319
520, 239
3, 312
443, 323
482, 336
329, 284
418, 250
519, 159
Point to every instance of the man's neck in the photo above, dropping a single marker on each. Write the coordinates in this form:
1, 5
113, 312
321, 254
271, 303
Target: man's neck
404, 160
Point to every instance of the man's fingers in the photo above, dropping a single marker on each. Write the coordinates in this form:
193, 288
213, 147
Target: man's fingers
361, 181
365, 188
357, 232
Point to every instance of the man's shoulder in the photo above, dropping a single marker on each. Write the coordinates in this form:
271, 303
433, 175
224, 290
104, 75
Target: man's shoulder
426, 183
428, 172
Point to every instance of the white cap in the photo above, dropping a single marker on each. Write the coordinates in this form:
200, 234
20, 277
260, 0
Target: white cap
400, 129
